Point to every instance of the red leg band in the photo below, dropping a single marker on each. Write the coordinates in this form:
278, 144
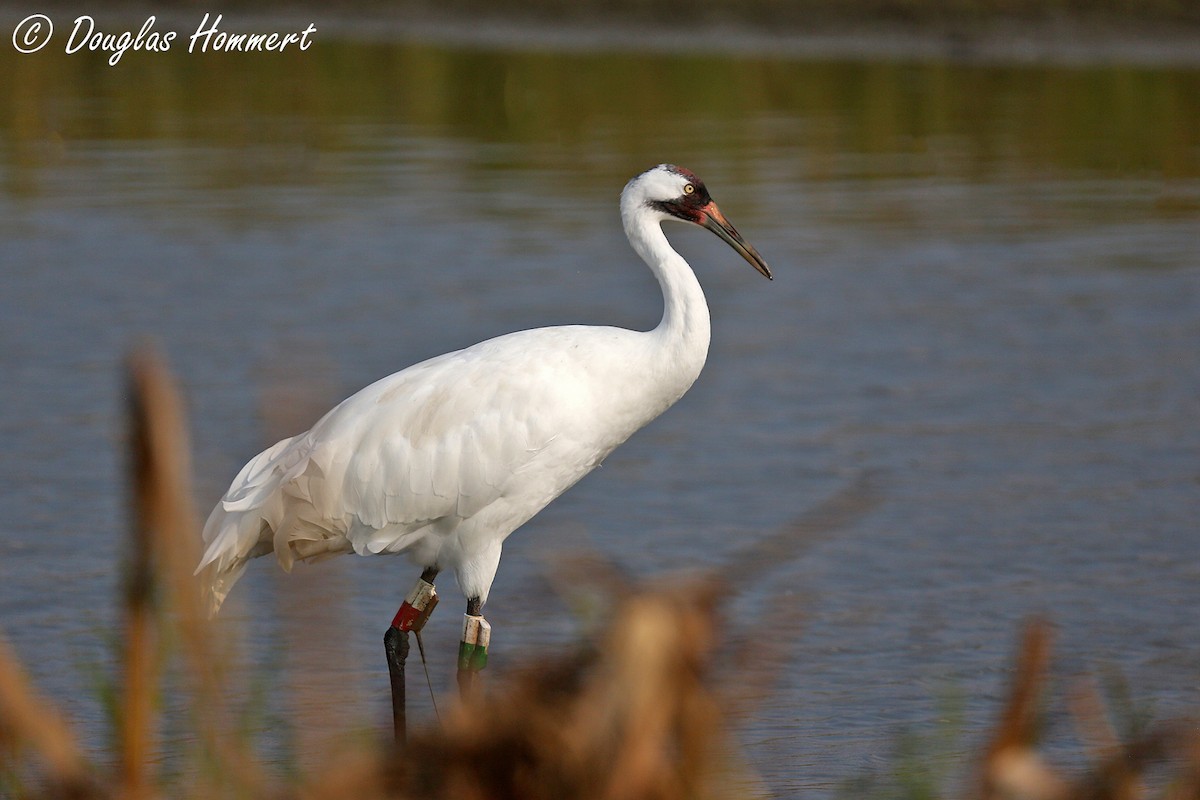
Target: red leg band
405, 617
416, 608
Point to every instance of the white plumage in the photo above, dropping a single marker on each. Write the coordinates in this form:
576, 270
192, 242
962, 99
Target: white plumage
443, 460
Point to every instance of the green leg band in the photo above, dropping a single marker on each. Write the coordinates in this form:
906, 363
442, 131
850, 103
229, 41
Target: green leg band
472, 650
472, 657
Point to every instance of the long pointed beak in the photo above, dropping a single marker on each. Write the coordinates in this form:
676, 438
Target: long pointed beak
712, 218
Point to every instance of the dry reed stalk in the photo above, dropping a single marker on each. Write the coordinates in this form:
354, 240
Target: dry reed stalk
29, 722
649, 726
1118, 777
153, 469
165, 546
1188, 786
1011, 766
633, 717
1091, 720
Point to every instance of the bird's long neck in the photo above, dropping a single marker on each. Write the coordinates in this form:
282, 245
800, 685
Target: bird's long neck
681, 338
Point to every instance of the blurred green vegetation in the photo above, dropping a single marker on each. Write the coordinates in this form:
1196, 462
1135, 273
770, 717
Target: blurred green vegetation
269, 113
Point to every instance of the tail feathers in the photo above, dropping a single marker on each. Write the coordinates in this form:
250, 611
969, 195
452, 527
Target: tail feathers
234, 532
270, 507
288, 526
248, 536
233, 539
217, 584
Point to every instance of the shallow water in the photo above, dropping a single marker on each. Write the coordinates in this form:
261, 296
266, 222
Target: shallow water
987, 301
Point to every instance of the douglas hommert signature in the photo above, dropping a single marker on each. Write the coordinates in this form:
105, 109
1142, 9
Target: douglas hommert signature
35, 32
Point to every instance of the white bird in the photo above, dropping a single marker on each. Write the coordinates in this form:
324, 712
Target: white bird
443, 460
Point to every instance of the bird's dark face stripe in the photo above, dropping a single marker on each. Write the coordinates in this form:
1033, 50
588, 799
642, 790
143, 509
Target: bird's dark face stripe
688, 207
698, 208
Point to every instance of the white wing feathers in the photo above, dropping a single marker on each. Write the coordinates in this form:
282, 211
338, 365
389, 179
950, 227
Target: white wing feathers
407, 457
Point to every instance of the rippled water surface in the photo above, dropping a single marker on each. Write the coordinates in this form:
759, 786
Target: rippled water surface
986, 310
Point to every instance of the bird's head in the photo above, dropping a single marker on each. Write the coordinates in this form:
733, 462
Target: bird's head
673, 192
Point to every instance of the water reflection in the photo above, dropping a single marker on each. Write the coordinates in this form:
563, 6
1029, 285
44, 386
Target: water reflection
987, 291
862, 119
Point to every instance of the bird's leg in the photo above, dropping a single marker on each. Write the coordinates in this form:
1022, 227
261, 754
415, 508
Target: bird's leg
412, 616
472, 650
395, 646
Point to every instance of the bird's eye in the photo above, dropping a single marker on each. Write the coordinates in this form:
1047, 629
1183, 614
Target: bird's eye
688, 188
